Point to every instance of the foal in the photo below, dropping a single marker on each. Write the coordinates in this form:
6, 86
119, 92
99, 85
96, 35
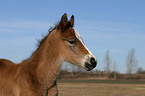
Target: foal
37, 75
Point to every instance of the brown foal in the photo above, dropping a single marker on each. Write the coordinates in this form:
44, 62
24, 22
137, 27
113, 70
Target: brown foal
37, 75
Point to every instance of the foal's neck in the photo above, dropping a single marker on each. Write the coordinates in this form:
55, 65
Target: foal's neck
48, 59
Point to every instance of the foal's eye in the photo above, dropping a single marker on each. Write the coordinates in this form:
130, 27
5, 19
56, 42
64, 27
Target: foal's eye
71, 42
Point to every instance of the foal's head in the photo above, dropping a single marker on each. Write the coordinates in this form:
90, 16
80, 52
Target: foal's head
71, 46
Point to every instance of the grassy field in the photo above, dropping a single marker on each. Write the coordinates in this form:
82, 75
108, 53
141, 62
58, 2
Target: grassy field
101, 88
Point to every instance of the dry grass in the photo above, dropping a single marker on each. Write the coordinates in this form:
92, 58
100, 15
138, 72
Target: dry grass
100, 89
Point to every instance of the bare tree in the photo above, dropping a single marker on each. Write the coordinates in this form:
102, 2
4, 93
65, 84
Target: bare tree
107, 61
131, 62
114, 70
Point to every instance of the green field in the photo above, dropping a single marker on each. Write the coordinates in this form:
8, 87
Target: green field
101, 88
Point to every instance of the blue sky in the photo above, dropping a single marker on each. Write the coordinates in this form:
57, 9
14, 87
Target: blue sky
115, 25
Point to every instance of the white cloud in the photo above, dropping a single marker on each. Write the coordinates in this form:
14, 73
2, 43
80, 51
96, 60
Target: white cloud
110, 30
21, 26
111, 27
20, 36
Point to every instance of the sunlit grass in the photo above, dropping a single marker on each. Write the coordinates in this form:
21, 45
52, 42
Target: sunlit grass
100, 89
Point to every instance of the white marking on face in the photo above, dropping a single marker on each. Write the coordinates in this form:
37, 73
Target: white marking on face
80, 39
87, 57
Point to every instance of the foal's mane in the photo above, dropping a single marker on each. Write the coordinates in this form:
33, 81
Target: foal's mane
44, 37
40, 42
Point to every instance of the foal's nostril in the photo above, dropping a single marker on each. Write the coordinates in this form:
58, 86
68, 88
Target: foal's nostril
93, 62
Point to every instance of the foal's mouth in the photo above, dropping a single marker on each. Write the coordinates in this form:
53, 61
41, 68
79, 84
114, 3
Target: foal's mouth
91, 64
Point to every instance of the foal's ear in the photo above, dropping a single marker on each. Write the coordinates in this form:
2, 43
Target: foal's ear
71, 21
63, 22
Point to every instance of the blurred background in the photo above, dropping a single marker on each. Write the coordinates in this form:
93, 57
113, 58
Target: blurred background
114, 30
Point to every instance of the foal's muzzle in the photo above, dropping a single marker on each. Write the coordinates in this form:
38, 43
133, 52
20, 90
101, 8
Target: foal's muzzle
91, 64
